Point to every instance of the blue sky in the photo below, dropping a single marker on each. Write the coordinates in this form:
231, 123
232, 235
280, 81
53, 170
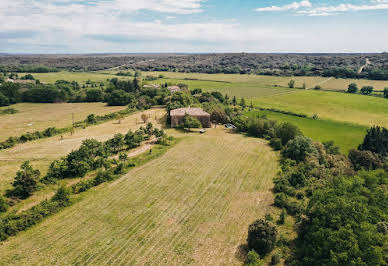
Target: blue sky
193, 26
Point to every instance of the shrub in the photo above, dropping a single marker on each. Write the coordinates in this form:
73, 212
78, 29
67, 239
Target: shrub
299, 148
91, 119
291, 84
352, 88
261, 237
287, 131
275, 259
276, 144
191, 122
366, 90
317, 88
3, 204
26, 180
281, 200
364, 159
385, 92
282, 217
253, 259
62, 195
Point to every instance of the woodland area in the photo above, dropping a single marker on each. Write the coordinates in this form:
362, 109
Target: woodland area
330, 65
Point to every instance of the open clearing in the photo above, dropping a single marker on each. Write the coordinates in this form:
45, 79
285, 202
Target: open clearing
358, 109
39, 116
174, 210
43, 151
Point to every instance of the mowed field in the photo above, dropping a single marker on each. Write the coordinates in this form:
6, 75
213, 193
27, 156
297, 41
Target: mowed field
192, 205
43, 151
357, 109
39, 116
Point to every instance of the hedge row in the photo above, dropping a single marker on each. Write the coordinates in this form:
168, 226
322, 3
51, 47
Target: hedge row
51, 131
281, 111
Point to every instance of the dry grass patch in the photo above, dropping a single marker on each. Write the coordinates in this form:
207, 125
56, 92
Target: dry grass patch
41, 152
39, 116
192, 205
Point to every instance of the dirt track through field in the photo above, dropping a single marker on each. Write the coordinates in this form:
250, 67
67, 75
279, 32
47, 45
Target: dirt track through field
192, 205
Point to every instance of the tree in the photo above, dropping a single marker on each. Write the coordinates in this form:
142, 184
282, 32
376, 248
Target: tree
376, 140
4, 101
385, 92
366, 90
291, 84
261, 237
352, 88
190, 122
242, 103
234, 101
94, 95
340, 228
144, 117
287, 131
26, 180
299, 148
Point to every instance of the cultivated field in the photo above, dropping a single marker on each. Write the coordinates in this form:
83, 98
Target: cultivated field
43, 151
358, 109
174, 210
39, 116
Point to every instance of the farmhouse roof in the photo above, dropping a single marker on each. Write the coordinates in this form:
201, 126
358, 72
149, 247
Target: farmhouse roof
189, 111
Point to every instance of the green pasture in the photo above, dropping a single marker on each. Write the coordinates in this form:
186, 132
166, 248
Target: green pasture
345, 135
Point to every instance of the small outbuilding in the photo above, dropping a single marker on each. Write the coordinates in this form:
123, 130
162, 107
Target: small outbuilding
177, 116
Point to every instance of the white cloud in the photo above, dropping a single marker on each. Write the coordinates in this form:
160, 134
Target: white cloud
305, 7
329, 10
292, 6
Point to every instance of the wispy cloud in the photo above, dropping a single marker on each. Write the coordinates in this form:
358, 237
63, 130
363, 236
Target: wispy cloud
307, 8
292, 6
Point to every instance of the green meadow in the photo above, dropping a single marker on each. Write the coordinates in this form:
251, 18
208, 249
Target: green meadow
345, 135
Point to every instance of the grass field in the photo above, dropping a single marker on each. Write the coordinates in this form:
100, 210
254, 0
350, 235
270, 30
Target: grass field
345, 135
32, 116
80, 77
41, 152
269, 81
358, 109
176, 209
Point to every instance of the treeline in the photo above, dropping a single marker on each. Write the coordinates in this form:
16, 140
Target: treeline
333, 65
92, 155
115, 93
339, 202
52, 131
28, 69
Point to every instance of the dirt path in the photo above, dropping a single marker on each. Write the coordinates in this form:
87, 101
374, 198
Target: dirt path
367, 62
